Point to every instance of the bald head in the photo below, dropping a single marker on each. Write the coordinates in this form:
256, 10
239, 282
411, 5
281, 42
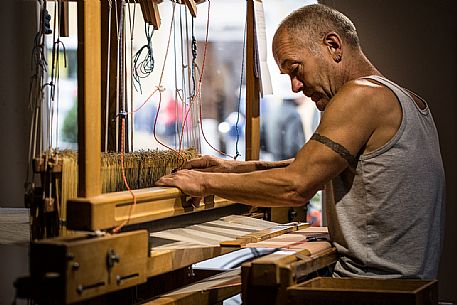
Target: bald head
308, 26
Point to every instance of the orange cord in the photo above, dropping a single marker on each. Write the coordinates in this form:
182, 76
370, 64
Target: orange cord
132, 207
198, 94
160, 89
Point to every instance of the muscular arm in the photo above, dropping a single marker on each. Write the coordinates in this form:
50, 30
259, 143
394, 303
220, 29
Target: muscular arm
293, 185
351, 119
217, 165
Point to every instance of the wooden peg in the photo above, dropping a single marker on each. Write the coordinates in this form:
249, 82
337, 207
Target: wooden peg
154, 15
145, 11
192, 7
64, 29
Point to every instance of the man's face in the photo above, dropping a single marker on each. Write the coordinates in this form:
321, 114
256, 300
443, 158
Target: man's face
304, 68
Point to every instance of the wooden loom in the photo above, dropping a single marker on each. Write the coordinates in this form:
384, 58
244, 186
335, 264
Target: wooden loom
109, 210
93, 210
85, 266
88, 165
83, 169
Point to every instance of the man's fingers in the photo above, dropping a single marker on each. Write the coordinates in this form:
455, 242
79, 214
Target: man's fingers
165, 181
196, 164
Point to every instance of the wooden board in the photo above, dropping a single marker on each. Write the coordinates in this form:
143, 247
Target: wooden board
207, 292
308, 238
110, 210
256, 237
162, 261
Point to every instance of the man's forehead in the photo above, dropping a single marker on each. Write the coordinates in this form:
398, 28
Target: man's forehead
281, 37
282, 49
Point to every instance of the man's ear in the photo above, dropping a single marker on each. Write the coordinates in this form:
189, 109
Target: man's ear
333, 43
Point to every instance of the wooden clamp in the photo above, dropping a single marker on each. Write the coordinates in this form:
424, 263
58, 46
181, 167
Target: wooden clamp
75, 268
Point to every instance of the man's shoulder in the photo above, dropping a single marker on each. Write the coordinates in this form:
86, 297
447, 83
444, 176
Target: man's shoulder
363, 87
373, 109
365, 93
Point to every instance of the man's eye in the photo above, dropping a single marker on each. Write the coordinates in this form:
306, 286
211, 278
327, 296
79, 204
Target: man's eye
294, 70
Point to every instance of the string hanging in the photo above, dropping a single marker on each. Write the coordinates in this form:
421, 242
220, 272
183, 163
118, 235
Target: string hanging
198, 91
197, 95
194, 58
237, 153
53, 103
132, 85
123, 116
161, 89
108, 57
196, 134
176, 85
143, 61
39, 64
132, 207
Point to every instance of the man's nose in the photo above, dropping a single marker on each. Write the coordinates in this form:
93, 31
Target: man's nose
297, 85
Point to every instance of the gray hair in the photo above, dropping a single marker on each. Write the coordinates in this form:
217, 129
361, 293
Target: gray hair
317, 20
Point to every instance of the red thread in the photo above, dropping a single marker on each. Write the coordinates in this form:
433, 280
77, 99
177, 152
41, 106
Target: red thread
132, 207
198, 95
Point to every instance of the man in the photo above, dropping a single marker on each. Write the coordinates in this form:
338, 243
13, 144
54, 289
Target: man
375, 153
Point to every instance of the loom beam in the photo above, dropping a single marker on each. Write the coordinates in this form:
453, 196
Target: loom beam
252, 88
89, 95
110, 210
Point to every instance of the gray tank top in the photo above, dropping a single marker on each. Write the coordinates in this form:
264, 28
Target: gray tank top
386, 219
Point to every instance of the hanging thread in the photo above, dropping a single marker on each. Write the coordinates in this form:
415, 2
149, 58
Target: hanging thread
237, 153
143, 61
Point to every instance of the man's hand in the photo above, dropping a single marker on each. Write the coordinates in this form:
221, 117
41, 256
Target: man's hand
212, 164
189, 182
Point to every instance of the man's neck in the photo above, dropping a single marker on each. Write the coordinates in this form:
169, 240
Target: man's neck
356, 65
360, 66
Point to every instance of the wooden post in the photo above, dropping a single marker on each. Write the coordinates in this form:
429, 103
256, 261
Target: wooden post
89, 98
252, 88
64, 28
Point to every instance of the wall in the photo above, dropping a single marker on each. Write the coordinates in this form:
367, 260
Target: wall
415, 44
18, 24
18, 21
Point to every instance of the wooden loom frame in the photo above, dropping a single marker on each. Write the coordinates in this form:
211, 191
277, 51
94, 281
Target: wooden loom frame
90, 265
93, 210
